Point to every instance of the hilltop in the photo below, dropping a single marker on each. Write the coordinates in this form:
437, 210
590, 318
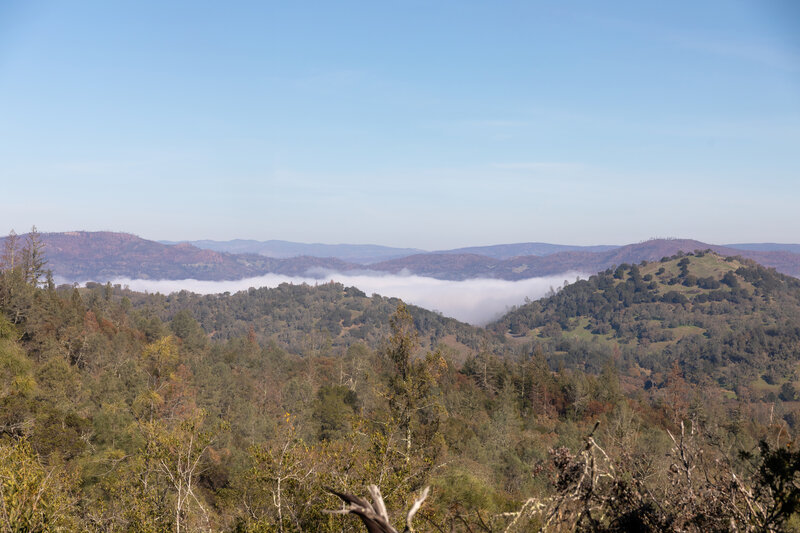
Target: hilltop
723, 320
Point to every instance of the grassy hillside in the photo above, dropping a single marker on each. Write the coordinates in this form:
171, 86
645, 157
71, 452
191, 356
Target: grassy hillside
724, 320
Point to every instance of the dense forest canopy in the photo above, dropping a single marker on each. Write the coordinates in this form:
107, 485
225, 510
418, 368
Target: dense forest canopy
653, 397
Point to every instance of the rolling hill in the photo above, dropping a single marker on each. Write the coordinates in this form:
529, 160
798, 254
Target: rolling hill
296, 316
102, 256
725, 321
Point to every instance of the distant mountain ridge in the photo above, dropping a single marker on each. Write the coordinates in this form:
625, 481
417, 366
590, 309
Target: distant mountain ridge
354, 253
102, 256
767, 247
372, 253
366, 254
464, 266
508, 251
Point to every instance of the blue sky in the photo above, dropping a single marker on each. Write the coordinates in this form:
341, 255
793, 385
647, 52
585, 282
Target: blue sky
423, 124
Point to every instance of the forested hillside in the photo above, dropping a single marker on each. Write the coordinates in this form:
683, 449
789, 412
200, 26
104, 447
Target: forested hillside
726, 322
304, 318
655, 397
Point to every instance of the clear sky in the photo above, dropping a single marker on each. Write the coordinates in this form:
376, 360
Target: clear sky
430, 124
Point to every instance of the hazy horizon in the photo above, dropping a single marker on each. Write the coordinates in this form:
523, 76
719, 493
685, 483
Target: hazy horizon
344, 242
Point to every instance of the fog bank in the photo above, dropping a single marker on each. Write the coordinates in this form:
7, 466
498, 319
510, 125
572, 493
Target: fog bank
476, 301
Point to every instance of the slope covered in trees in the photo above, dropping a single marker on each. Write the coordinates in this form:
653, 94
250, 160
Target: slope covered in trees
298, 318
132, 412
728, 322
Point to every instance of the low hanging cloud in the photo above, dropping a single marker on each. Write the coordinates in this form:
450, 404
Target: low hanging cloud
476, 301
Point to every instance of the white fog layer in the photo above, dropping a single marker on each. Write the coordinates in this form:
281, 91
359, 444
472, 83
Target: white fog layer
476, 301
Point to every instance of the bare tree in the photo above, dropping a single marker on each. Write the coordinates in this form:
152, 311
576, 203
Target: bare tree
10, 258
33, 258
374, 515
599, 493
178, 454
